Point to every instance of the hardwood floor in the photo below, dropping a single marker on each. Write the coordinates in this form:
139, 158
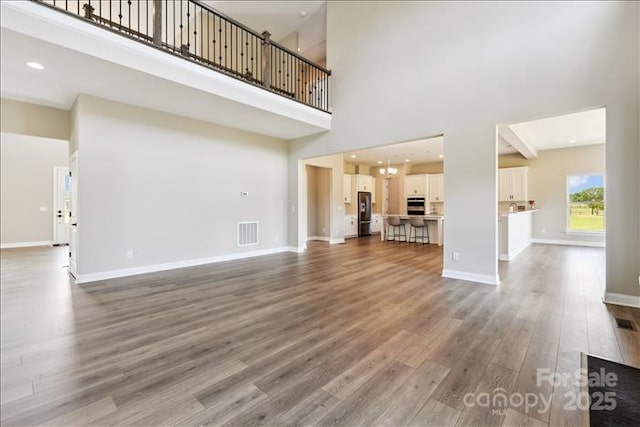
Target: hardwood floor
365, 333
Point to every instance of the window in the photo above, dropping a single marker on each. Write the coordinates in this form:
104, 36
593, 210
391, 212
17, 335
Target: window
585, 203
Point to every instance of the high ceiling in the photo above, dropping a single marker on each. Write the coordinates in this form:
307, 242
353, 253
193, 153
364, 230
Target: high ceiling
419, 151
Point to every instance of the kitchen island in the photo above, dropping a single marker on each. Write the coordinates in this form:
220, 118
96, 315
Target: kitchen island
514, 233
434, 222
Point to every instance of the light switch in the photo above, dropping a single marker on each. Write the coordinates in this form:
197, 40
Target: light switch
244, 194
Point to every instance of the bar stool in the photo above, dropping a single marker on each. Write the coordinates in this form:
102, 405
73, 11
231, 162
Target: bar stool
418, 224
397, 227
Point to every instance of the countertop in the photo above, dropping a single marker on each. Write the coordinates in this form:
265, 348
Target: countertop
434, 216
507, 213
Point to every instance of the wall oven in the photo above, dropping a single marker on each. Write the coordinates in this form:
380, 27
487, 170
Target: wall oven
415, 206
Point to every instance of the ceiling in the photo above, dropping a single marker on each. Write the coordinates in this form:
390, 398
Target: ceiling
281, 19
420, 151
567, 130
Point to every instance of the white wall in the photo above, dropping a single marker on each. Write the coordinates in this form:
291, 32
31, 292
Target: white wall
168, 188
27, 164
406, 70
30, 119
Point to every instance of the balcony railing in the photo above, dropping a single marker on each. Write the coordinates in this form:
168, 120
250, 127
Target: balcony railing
193, 30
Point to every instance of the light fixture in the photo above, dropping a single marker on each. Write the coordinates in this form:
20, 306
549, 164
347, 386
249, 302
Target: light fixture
388, 172
407, 160
441, 156
35, 65
379, 162
353, 156
572, 141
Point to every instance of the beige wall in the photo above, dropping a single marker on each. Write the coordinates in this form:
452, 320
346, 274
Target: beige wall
427, 168
27, 185
547, 178
31, 119
169, 188
318, 201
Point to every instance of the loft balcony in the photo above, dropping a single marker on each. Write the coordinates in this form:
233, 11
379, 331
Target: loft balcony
256, 84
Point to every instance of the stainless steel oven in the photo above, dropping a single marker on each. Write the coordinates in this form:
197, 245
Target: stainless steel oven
415, 206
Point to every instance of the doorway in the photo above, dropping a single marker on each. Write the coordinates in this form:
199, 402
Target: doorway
61, 205
318, 203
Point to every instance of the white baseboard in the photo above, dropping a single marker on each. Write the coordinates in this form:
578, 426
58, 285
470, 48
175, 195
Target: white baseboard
472, 277
295, 249
112, 274
568, 242
320, 238
336, 241
26, 244
509, 257
622, 299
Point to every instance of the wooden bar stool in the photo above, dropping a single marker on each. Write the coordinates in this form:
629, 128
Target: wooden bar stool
395, 224
418, 224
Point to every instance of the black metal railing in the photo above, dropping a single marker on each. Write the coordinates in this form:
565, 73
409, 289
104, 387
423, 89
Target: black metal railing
199, 33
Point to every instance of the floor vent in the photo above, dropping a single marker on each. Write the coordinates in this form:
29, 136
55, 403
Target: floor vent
247, 233
625, 324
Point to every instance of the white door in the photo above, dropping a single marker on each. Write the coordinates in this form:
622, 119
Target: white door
61, 205
73, 215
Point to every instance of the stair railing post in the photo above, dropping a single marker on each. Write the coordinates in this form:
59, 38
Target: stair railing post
157, 22
266, 55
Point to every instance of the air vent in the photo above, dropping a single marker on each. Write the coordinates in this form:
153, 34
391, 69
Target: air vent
247, 233
625, 324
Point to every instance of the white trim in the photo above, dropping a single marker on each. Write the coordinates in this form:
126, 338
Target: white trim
320, 238
295, 250
336, 241
568, 242
112, 274
621, 299
472, 277
585, 233
26, 244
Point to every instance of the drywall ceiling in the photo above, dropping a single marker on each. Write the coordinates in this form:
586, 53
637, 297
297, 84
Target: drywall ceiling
567, 130
69, 73
281, 18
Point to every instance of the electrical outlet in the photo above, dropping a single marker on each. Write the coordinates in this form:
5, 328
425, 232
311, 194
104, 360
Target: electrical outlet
455, 256
129, 254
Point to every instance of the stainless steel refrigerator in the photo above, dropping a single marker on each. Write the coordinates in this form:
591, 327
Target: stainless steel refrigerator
364, 214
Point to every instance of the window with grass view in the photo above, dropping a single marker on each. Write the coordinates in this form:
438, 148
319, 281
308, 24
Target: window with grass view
586, 203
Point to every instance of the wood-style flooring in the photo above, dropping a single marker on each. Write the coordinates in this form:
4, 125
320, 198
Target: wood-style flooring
365, 333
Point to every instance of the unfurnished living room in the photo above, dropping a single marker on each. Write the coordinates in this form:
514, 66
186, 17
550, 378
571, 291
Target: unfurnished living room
320, 213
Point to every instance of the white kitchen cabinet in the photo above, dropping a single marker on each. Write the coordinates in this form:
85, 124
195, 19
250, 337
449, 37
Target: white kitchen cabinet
350, 226
436, 188
376, 223
416, 185
512, 184
364, 183
346, 188
373, 190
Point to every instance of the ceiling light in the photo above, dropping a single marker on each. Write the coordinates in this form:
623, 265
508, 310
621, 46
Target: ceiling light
303, 14
353, 156
572, 141
388, 172
35, 65
441, 156
379, 162
407, 160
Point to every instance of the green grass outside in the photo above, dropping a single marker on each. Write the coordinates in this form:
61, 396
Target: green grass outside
582, 219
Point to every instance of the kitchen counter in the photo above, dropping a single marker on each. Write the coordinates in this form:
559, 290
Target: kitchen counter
507, 213
435, 233
514, 233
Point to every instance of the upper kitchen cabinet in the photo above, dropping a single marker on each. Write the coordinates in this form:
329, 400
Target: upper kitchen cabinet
436, 188
512, 184
416, 185
346, 188
365, 183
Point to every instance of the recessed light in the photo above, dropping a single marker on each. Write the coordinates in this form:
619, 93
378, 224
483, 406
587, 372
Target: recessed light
379, 162
572, 141
303, 14
35, 65
353, 156
407, 160
441, 156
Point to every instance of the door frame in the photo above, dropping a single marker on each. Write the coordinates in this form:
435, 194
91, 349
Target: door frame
55, 201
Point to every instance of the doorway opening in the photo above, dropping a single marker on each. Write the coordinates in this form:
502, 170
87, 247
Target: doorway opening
318, 203
61, 205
